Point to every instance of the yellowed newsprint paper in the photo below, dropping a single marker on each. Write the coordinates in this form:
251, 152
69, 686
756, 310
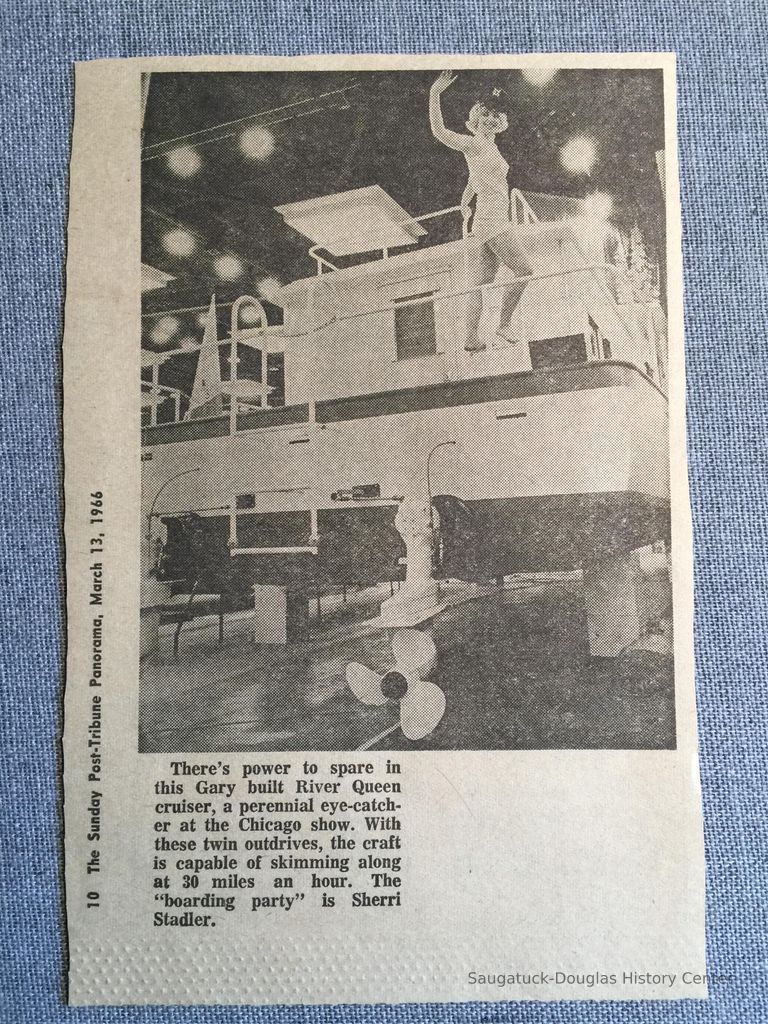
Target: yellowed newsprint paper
380, 682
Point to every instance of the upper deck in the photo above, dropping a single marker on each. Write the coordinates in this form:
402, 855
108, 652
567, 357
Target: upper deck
377, 321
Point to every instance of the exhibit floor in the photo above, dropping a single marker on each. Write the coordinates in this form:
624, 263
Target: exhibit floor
521, 648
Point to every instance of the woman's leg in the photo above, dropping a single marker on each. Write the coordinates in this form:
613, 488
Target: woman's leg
482, 265
512, 295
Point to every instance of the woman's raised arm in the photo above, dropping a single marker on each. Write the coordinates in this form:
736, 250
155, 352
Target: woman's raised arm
448, 138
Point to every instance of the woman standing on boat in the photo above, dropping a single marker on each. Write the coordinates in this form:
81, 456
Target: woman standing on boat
487, 184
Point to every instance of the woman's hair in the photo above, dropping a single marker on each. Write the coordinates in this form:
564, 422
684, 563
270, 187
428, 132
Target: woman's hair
473, 120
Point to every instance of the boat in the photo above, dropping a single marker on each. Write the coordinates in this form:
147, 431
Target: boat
397, 455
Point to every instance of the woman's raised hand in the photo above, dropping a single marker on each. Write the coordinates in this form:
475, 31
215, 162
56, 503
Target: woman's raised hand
448, 138
443, 80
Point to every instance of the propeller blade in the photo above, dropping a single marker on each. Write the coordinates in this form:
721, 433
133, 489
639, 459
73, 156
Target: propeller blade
421, 709
414, 652
365, 684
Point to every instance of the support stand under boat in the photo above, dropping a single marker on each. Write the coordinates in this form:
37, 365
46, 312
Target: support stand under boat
623, 596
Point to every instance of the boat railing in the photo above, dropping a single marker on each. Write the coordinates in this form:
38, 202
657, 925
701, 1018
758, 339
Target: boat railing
602, 276
622, 290
321, 321
155, 394
324, 263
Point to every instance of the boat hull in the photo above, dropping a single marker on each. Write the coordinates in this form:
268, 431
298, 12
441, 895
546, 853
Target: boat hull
536, 471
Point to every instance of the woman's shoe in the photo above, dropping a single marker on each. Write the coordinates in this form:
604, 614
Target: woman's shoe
474, 345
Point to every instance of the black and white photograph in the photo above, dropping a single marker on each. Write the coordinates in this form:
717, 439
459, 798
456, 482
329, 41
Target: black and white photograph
404, 411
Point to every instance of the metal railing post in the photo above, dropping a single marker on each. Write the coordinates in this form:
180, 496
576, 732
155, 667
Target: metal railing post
233, 522
234, 331
155, 394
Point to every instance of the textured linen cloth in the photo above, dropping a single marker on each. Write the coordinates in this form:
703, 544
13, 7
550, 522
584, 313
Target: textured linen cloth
723, 82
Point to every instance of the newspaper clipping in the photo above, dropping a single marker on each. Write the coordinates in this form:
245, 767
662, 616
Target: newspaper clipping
380, 680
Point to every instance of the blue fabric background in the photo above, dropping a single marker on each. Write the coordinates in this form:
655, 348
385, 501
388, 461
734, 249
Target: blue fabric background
723, 75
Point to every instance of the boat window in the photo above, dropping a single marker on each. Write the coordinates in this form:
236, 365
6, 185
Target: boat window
415, 333
557, 351
607, 349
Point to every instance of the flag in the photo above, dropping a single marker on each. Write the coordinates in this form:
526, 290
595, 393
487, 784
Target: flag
207, 399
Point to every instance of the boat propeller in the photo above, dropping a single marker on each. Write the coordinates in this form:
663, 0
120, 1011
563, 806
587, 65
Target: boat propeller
422, 703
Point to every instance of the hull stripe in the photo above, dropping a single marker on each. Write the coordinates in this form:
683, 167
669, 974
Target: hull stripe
450, 394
